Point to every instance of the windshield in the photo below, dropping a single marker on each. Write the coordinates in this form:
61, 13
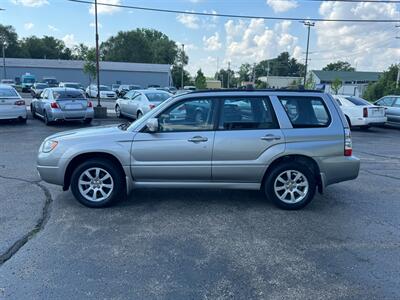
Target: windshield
50, 80
158, 97
68, 95
5, 93
41, 86
72, 85
358, 101
28, 80
104, 88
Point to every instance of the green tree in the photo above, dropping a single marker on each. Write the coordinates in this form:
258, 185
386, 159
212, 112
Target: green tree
223, 76
141, 46
8, 35
46, 47
339, 66
310, 84
384, 86
200, 80
336, 85
282, 65
245, 72
89, 67
80, 51
176, 74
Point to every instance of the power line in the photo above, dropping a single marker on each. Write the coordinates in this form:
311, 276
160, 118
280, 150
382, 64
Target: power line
236, 16
353, 1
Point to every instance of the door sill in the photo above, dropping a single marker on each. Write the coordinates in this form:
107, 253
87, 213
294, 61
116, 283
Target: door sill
202, 185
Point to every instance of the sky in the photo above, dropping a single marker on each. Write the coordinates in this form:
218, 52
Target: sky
212, 42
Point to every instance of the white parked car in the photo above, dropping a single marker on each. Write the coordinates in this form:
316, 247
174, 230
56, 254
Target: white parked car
105, 92
360, 112
134, 104
12, 106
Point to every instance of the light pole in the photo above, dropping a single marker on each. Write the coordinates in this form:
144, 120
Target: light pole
99, 111
4, 45
182, 61
308, 24
229, 70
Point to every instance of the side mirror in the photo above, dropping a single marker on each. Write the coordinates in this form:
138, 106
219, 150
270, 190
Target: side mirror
152, 125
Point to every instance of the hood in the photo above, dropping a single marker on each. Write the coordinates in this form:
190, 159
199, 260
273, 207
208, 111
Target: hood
87, 132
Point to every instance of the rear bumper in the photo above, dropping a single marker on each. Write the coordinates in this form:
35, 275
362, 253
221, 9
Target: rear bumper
60, 115
368, 121
338, 169
13, 112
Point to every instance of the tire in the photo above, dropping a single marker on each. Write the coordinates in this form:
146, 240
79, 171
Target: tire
365, 127
306, 183
22, 120
118, 111
46, 119
112, 194
139, 115
87, 121
33, 112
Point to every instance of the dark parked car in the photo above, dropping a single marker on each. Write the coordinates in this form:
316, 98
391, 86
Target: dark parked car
124, 88
38, 88
51, 81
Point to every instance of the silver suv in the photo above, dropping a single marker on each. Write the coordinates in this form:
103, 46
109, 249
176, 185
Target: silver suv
284, 143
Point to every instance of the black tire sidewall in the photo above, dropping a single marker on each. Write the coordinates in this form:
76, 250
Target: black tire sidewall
118, 179
271, 177
118, 111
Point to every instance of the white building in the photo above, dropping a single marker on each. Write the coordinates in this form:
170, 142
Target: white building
279, 82
353, 83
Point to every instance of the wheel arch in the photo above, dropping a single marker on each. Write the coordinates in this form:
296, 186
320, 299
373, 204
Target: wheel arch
307, 161
77, 160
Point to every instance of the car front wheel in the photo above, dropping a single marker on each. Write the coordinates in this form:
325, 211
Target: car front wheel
118, 111
97, 183
290, 185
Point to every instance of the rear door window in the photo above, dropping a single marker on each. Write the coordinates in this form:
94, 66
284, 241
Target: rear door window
306, 112
8, 93
246, 114
387, 101
397, 103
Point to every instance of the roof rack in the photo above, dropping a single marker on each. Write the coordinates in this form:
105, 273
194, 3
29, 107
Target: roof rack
245, 89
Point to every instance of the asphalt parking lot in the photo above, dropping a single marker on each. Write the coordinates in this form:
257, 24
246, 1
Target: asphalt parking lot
174, 244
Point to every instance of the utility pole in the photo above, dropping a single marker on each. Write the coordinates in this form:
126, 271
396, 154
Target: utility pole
182, 61
254, 73
398, 65
308, 24
229, 70
4, 44
97, 55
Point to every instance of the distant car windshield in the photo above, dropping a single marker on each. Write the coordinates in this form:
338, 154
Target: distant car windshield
68, 94
50, 80
104, 88
157, 97
358, 101
28, 80
7, 81
42, 86
72, 85
5, 93
134, 87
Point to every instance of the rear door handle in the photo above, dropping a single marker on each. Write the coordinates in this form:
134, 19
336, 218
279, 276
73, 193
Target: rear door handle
198, 139
270, 137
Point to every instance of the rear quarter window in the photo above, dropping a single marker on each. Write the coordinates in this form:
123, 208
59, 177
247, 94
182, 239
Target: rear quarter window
4, 93
306, 112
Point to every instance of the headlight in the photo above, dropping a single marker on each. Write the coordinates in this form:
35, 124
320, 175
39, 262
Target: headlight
49, 146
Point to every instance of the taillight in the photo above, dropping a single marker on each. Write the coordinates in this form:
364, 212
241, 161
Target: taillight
54, 105
348, 145
151, 106
19, 102
365, 112
89, 104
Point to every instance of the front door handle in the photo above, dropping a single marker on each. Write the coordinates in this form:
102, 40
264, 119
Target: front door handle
270, 137
198, 139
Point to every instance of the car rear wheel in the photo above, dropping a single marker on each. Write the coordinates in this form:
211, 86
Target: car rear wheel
87, 121
118, 111
97, 183
290, 185
46, 119
139, 115
33, 112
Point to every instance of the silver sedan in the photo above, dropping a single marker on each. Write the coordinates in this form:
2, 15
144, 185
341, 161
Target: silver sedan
12, 106
62, 104
392, 106
135, 104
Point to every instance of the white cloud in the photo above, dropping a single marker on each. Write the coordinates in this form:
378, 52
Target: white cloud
188, 46
98, 24
190, 21
103, 9
69, 40
28, 26
279, 6
52, 28
369, 46
253, 41
30, 3
212, 43
207, 64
